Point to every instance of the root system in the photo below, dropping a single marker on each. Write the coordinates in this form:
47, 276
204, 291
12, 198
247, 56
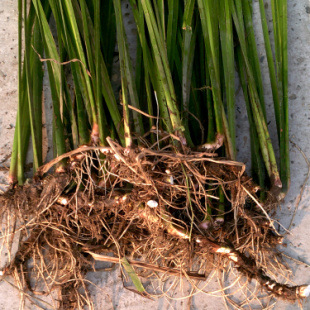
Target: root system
161, 209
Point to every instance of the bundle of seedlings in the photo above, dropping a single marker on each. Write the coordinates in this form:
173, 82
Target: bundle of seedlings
145, 173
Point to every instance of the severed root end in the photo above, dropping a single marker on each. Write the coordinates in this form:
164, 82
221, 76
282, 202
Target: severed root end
290, 293
304, 291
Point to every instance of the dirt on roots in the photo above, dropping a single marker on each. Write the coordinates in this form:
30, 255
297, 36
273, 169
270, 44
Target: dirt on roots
181, 214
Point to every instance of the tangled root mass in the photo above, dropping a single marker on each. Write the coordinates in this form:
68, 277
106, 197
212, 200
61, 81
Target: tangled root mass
161, 208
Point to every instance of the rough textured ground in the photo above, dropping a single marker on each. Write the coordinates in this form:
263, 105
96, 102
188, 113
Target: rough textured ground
111, 294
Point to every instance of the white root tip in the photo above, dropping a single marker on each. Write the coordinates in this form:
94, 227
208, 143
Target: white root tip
304, 291
63, 201
117, 157
152, 204
126, 151
105, 150
170, 180
60, 169
233, 257
223, 250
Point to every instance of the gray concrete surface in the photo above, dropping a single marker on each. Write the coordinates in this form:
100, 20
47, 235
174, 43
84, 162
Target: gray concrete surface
109, 292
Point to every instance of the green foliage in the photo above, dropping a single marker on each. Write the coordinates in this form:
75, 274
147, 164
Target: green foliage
187, 55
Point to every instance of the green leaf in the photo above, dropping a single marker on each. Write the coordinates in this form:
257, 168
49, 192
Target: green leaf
127, 73
132, 274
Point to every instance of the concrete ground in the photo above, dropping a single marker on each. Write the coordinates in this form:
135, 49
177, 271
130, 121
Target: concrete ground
109, 292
